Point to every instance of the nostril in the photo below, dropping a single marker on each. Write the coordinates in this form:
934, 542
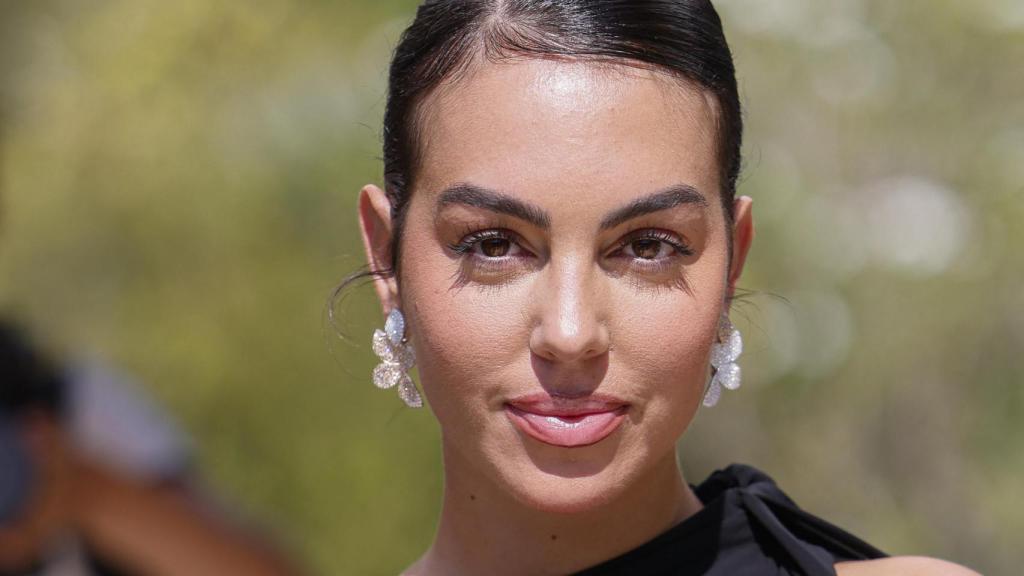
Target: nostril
561, 346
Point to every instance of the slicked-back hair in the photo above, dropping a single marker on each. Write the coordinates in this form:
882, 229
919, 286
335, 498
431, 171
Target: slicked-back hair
683, 38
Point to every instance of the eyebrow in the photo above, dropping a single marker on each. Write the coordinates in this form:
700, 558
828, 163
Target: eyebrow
495, 201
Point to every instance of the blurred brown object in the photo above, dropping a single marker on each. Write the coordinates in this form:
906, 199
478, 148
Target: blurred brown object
83, 514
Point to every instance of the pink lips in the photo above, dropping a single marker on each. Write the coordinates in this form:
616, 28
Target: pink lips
567, 422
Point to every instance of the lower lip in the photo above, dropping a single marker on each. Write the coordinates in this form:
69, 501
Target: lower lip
567, 431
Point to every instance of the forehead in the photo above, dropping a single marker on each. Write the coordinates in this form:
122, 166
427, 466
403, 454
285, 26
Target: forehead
568, 132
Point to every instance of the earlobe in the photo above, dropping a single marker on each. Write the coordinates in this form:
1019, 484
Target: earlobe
376, 227
742, 238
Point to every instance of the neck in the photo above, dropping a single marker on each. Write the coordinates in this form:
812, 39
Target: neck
484, 531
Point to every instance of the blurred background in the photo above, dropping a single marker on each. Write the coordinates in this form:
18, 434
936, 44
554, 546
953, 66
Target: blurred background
177, 197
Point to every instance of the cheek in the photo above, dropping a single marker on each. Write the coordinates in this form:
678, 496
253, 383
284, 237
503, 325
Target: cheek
465, 338
667, 346
664, 343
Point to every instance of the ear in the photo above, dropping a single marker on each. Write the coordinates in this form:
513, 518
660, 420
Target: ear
742, 237
375, 224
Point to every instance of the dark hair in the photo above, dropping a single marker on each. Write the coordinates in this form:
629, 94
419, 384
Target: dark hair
30, 381
681, 37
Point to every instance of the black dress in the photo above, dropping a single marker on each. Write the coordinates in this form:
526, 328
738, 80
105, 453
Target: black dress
748, 527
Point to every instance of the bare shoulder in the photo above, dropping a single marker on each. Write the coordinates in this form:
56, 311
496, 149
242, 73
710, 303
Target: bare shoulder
903, 566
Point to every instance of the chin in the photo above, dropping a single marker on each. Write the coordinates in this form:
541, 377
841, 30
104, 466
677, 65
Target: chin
564, 495
567, 480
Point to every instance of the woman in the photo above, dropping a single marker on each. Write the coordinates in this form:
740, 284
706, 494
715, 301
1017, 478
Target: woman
556, 248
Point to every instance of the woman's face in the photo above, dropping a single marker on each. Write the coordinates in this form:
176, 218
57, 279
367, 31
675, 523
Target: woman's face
564, 266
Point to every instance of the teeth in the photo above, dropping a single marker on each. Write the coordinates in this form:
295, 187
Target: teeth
556, 421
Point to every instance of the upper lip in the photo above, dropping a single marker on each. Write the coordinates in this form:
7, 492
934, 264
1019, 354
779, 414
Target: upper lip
547, 405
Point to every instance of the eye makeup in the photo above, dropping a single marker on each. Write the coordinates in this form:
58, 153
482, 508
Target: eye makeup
494, 254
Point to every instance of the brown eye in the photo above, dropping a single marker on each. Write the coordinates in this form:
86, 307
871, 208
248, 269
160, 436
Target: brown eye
646, 248
652, 246
494, 247
490, 245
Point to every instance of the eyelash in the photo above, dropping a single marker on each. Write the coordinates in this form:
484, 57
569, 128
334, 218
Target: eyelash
472, 237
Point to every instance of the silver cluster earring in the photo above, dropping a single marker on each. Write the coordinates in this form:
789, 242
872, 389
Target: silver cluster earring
724, 353
397, 358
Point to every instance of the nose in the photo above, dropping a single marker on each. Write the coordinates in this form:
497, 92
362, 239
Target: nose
569, 314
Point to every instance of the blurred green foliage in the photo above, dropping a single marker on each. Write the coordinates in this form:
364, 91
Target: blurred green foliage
178, 187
